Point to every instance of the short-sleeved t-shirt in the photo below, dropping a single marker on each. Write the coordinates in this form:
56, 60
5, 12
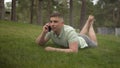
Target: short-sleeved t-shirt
66, 36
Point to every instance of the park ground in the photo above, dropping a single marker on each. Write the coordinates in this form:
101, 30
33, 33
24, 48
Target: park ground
19, 50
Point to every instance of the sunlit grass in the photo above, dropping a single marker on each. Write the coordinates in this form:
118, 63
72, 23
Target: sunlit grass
19, 50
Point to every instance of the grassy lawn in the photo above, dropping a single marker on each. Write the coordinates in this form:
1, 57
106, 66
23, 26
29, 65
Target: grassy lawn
19, 50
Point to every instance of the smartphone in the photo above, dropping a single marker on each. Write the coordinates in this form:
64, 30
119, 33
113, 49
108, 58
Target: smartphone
49, 28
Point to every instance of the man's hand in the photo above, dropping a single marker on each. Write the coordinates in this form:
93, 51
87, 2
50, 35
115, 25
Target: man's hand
45, 28
41, 38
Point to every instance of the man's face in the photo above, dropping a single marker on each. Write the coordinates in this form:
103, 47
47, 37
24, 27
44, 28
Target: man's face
56, 23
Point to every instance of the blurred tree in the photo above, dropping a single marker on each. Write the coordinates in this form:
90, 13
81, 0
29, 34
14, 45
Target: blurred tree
71, 12
39, 12
50, 6
2, 9
47, 8
110, 12
116, 13
31, 11
83, 14
13, 11
24, 10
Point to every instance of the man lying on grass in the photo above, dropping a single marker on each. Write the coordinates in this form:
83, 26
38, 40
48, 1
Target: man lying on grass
66, 36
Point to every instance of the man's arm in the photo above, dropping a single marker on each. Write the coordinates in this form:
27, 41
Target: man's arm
41, 38
73, 48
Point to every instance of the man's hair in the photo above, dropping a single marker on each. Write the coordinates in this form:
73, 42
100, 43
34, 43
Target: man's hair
56, 14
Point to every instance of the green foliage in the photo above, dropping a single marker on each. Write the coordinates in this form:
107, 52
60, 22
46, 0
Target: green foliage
50, 6
23, 11
19, 50
106, 12
109, 11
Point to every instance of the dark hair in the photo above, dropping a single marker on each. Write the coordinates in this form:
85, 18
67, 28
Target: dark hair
56, 14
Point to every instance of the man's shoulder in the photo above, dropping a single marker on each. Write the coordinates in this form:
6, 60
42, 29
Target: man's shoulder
68, 28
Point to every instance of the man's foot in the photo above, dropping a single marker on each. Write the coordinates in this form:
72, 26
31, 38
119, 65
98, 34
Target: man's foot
91, 20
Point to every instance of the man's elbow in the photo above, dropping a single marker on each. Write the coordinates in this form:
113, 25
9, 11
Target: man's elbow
75, 51
39, 42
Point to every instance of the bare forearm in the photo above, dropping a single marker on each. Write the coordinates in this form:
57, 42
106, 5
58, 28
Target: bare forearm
64, 50
60, 50
40, 39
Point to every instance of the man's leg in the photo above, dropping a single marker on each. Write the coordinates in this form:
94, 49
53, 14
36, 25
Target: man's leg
92, 33
87, 25
88, 28
85, 28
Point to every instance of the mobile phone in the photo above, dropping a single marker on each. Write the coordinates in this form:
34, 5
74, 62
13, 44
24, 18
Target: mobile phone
49, 28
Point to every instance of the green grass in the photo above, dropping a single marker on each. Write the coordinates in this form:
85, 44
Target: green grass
19, 50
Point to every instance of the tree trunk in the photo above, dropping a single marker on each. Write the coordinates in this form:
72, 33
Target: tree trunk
2, 10
83, 14
49, 6
116, 17
39, 12
13, 11
31, 11
49, 11
71, 13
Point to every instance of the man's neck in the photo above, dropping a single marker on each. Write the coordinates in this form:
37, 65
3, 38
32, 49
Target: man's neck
59, 31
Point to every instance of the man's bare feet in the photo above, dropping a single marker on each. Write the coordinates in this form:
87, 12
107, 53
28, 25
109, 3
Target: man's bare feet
90, 20
87, 25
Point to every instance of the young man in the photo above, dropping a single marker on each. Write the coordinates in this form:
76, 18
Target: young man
66, 36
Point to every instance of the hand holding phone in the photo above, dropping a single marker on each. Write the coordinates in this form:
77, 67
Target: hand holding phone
49, 28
